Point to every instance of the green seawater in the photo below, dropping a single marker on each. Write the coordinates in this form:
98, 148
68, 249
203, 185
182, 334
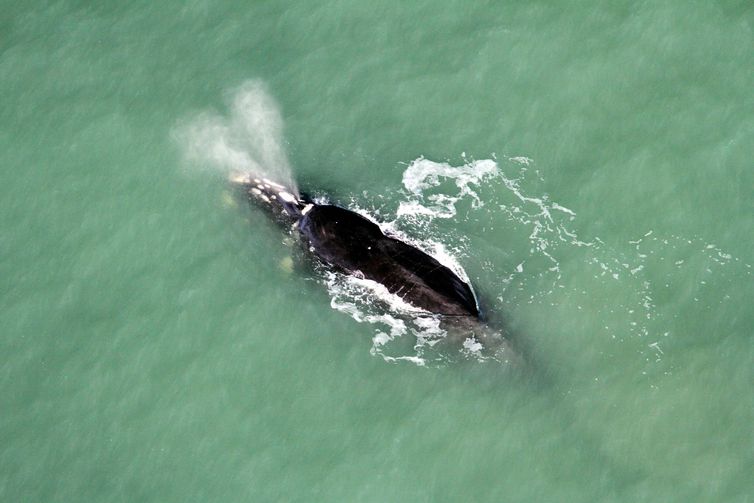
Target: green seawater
155, 345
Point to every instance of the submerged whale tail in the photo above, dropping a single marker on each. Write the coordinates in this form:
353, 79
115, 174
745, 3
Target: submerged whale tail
284, 203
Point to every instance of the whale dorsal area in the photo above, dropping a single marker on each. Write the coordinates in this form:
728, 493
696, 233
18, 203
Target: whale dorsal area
352, 243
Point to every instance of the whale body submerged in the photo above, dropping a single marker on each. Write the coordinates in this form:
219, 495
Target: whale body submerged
355, 245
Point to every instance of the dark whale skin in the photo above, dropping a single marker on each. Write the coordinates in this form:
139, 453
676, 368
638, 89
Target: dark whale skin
349, 242
355, 245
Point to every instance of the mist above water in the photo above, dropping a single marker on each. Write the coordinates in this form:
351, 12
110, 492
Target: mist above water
247, 139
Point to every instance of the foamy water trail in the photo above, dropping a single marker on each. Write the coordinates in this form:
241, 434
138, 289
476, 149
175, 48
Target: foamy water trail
506, 194
248, 139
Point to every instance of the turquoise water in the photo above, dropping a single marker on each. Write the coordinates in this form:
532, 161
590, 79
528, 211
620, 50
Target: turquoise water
594, 180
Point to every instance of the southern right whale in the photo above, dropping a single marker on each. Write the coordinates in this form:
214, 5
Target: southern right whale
351, 243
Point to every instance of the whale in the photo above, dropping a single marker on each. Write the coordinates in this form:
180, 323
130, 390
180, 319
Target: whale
355, 245
350, 243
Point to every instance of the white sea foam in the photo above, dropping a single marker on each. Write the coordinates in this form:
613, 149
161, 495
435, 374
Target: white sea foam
423, 174
370, 302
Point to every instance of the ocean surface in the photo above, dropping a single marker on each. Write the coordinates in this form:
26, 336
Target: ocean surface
588, 166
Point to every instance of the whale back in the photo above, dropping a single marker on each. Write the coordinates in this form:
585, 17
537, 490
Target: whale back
348, 241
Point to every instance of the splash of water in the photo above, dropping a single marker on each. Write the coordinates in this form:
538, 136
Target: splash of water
249, 139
